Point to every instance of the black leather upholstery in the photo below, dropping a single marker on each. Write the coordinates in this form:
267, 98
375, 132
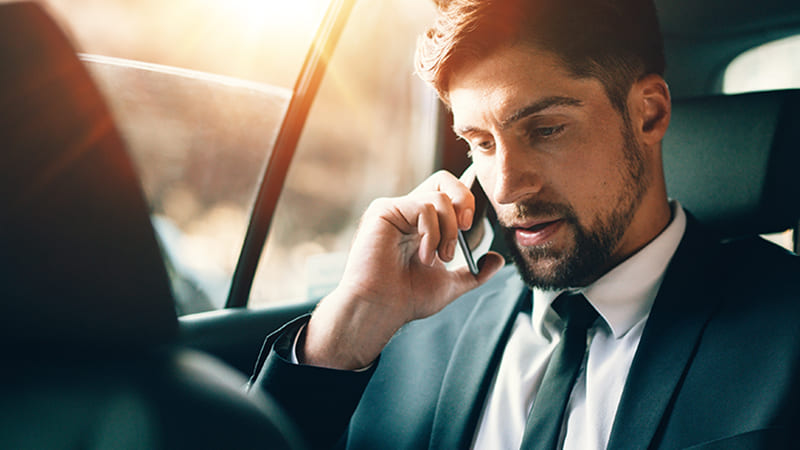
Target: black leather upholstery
733, 160
169, 399
87, 322
80, 263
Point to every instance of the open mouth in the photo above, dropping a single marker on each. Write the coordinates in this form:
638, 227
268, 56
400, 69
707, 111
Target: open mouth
541, 226
537, 234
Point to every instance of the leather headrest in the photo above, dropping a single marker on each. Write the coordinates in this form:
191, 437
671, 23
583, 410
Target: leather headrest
80, 263
732, 161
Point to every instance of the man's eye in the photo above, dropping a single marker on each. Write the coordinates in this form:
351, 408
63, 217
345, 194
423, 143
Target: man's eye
481, 145
546, 132
486, 145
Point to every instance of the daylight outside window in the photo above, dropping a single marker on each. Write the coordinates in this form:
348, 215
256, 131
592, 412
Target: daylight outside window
371, 133
198, 89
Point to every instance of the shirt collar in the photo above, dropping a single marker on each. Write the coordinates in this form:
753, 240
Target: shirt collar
625, 294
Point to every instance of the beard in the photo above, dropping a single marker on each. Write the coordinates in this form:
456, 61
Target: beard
546, 267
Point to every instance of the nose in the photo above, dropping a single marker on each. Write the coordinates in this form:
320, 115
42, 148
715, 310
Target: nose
516, 175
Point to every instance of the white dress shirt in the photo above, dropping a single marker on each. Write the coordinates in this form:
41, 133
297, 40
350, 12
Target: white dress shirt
623, 298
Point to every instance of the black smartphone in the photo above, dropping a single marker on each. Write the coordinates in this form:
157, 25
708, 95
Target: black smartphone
470, 239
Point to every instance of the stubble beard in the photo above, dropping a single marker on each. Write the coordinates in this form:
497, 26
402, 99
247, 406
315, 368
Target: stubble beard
589, 257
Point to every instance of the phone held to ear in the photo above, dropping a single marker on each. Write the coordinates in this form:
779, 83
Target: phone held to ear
478, 238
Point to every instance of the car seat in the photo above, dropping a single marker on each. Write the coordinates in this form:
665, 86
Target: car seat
88, 326
732, 161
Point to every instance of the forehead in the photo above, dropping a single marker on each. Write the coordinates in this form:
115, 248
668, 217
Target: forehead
495, 86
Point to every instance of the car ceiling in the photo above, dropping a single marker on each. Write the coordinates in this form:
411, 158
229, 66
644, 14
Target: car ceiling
702, 36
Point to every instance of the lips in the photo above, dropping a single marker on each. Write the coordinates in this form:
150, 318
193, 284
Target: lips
537, 234
540, 226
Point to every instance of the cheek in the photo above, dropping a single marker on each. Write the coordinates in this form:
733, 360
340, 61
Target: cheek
601, 157
592, 185
590, 179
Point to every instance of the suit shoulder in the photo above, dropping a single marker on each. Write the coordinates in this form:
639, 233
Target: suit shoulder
760, 260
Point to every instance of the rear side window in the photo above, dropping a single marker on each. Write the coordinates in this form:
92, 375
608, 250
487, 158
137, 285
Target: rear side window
198, 90
371, 132
772, 66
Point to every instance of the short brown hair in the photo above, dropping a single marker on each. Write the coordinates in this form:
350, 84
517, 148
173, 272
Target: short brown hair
614, 41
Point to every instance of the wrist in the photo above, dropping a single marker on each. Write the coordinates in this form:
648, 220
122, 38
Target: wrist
346, 333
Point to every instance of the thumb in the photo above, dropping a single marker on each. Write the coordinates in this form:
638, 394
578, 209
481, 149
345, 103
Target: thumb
489, 264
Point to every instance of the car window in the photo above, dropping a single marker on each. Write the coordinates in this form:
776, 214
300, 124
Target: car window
198, 90
370, 133
774, 65
257, 40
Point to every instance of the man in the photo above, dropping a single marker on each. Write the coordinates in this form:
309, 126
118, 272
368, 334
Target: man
564, 107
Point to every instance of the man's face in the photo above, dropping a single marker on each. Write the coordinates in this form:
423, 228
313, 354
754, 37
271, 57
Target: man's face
559, 163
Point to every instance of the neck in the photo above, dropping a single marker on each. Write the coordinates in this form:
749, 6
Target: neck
650, 219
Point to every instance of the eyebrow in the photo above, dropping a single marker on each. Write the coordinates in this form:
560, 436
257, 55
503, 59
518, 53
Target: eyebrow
529, 110
539, 106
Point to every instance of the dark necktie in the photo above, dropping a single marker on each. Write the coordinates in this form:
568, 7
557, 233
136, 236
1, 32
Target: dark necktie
543, 427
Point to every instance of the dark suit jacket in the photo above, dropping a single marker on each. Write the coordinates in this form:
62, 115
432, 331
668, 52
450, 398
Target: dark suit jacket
718, 365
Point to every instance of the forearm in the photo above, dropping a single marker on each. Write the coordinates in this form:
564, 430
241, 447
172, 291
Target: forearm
319, 400
347, 335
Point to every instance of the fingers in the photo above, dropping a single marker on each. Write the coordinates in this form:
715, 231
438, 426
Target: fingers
433, 212
437, 226
460, 196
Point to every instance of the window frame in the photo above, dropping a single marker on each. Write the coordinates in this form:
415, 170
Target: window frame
272, 182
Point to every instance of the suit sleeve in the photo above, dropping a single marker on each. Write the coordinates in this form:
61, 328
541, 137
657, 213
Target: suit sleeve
319, 400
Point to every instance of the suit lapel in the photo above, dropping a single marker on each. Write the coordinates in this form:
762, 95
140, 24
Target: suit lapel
472, 365
680, 313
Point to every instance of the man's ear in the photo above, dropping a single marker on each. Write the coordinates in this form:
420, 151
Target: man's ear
651, 103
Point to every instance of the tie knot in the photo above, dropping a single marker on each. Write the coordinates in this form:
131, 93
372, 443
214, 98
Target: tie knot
575, 311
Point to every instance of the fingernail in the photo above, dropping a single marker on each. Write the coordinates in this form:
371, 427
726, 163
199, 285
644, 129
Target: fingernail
466, 218
451, 249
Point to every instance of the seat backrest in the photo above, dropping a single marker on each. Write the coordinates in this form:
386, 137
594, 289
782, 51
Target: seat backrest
169, 399
732, 161
79, 262
87, 321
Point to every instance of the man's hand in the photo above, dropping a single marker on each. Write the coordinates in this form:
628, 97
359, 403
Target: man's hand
395, 273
